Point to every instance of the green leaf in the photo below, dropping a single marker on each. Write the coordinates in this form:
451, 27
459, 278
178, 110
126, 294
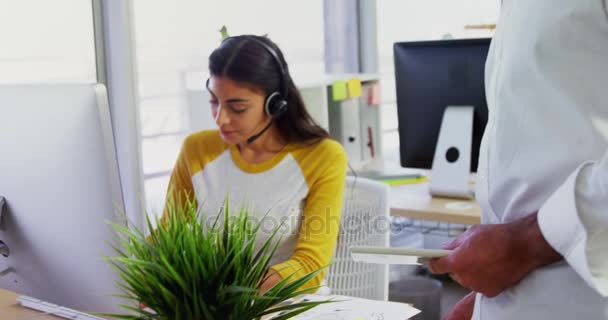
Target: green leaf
224, 32
188, 270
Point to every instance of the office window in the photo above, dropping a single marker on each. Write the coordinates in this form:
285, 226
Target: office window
173, 42
46, 41
413, 20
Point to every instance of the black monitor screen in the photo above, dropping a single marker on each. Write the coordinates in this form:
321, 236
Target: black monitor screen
430, 76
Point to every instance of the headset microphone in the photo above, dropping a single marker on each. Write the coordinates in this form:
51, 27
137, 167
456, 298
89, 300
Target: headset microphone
259, 134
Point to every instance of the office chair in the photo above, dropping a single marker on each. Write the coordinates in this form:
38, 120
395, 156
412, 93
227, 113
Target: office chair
365, 222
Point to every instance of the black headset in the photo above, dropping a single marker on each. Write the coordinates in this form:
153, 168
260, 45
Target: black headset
275, 103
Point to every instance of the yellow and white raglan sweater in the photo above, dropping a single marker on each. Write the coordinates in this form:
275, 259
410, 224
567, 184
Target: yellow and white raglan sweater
301, 186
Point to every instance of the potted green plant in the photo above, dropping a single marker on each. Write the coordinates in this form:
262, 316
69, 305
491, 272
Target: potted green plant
188, 270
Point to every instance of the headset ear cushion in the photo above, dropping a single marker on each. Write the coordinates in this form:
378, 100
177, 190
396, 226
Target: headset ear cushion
280, 108
275, 105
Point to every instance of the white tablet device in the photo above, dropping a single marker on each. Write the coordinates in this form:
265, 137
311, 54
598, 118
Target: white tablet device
396, 255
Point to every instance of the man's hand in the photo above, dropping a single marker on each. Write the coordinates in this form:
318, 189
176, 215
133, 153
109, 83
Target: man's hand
463, 310
491, 258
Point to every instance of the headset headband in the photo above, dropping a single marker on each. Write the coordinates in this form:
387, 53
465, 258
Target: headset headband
277, 60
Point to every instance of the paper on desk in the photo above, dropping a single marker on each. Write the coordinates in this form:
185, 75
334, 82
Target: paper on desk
349, 308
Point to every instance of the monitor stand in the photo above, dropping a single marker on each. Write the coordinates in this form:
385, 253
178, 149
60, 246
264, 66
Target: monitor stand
452, 159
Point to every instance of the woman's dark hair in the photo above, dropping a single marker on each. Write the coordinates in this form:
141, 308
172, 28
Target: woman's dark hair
244, 59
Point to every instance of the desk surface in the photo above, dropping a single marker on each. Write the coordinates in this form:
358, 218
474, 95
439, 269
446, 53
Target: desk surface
11, 309
414, 201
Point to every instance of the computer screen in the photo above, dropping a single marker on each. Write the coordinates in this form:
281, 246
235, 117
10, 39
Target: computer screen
59, 177
431, 75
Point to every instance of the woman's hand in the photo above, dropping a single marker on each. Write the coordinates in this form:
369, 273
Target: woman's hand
270, 280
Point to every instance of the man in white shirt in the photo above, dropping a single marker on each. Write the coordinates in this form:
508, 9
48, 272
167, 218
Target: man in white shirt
542, 183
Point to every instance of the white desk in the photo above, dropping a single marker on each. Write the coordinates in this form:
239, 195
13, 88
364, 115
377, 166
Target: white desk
11, 309
414, 201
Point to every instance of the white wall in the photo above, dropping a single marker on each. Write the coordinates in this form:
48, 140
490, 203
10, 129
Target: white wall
42, 41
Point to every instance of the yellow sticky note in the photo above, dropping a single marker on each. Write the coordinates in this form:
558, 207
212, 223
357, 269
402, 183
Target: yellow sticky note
354, 87
338, 90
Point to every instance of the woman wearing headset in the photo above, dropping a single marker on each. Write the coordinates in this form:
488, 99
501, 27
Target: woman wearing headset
268, 154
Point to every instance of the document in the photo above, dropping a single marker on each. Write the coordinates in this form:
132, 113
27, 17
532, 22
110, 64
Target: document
348, 308
397, 255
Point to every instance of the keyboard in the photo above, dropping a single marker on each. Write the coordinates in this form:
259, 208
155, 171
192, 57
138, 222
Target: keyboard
53, 309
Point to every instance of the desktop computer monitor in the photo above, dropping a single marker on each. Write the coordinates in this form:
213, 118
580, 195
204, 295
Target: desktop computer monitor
430, 76
59, 177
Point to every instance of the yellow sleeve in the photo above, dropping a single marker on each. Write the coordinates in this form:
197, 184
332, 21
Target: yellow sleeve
326, 172
180, 188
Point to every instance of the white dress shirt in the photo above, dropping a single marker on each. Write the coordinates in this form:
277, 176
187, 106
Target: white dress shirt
545, 149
